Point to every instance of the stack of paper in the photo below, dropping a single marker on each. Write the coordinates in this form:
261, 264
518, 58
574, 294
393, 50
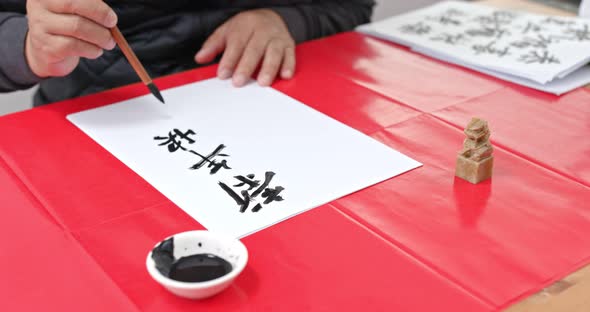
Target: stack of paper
543, 52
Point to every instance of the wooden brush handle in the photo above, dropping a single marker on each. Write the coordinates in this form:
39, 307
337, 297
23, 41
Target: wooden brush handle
130, 55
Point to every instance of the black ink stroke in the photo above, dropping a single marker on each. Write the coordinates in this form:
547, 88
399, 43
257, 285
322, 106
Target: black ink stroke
175, 140
579, 34
249, 179
538, 42
497, 18
416, 29
209, 159
215, 166
493, 25
449, 38
481, 32
267, 178
490, 49
272, 194
534, 57
532, 27
242, 201
557, 21
449, 17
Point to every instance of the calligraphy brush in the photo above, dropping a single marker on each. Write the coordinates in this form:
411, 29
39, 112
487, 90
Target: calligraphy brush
135, 63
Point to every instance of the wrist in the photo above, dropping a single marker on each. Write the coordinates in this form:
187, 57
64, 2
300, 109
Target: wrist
274, 15
294, 22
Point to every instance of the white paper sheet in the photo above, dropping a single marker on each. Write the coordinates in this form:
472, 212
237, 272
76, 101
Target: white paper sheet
584, 9
314, 158
529, 46
576, 79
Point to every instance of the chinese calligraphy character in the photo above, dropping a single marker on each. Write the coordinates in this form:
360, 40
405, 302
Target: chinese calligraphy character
580, 34
244, 198
416, 29
532, 27
454, 12
272, 194
249, 179
174, 140
540, 58
445, 20
490, 49
449, 39
488, 32
209, 159
497, 17
541, 42
481, 32
448, 17
493, 25
557, 21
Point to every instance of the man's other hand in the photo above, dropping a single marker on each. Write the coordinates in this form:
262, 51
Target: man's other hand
249, 40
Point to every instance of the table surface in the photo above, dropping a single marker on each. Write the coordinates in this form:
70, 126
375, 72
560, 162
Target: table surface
90, 221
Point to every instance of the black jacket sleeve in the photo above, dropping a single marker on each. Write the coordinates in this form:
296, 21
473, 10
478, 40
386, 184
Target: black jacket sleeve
15, 73
322, 18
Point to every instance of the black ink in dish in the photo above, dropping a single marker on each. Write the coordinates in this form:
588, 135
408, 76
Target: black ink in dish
194, 268
199, 268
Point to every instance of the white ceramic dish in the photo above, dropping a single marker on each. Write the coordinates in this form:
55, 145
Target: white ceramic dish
199, 242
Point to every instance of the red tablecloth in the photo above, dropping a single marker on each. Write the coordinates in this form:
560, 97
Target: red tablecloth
77, 224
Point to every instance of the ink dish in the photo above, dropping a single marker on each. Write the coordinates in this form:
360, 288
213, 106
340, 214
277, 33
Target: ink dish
197, 264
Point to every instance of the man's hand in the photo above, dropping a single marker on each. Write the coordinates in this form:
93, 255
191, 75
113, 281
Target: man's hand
62, 31
249, 39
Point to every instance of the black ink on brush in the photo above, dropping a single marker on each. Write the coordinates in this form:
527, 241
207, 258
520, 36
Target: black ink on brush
194, 268
154, 90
